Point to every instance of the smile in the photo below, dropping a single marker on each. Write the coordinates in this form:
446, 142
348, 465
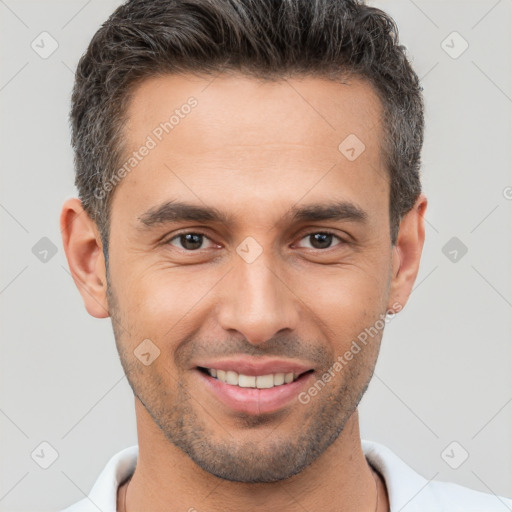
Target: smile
254, 390
252, 381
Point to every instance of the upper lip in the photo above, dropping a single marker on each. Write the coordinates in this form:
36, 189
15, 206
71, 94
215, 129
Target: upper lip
256, 366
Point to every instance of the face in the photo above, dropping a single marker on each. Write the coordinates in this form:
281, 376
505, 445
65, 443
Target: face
245, 244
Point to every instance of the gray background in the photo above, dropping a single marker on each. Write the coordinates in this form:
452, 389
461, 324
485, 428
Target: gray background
444, 374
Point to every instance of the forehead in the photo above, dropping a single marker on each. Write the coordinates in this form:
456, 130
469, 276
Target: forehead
254, 111
238, 141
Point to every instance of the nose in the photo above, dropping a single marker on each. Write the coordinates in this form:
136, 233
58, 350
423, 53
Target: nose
257, 301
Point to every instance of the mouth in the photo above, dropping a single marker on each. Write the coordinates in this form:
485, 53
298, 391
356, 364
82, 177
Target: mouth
254, 390
240, 380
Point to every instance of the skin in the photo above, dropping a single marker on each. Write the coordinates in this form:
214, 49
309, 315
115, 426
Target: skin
254, 150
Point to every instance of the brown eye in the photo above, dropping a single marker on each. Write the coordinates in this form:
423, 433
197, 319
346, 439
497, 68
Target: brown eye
321, 240
188, 241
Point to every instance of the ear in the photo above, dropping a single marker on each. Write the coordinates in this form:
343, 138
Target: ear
407, 254
84, 252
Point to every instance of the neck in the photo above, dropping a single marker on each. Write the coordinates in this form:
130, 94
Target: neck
166, 479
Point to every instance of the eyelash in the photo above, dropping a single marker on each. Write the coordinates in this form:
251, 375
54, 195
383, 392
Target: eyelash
323, 232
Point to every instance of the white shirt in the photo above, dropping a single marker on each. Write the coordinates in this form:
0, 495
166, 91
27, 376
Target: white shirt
407, 490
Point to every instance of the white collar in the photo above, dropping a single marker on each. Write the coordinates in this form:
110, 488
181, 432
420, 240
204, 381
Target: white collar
407, 490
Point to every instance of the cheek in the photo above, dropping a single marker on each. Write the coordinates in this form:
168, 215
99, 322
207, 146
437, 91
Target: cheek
160, 304
344, 300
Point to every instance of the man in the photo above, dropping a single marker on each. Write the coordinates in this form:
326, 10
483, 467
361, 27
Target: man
250, 204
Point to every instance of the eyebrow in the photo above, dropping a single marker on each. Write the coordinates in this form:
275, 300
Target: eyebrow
176, 211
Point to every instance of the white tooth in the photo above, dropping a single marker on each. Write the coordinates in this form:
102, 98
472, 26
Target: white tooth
247, 381
221, 375
278, 379
212, 372
265, 381
288, 378
232, 378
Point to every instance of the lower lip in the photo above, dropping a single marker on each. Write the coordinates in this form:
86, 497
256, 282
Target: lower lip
254, 400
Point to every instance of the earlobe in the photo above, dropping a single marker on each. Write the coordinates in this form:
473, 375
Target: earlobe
84, 252
407, 254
